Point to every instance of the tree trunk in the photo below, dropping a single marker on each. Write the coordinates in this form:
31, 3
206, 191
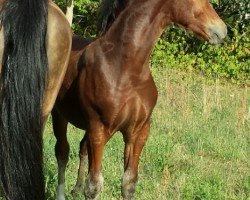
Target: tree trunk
69, 12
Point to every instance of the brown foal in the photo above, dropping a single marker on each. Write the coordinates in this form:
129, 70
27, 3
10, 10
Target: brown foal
108, 85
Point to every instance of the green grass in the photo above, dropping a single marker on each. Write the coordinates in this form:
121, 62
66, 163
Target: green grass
199, 147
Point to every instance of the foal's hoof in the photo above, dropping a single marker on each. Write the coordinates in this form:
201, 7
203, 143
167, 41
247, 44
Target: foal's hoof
78, 190
60, 197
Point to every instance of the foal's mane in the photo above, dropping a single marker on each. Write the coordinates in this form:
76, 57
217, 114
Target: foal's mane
109, 11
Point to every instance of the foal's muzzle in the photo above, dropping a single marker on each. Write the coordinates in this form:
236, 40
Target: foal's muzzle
217, 32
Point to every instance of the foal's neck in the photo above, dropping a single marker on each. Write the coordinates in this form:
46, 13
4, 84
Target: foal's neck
136, 30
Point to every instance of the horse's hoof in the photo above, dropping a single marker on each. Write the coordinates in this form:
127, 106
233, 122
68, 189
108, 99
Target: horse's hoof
60, 197
77, 190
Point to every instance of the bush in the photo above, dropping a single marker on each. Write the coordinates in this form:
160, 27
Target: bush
235, 12
85, 16
230, 60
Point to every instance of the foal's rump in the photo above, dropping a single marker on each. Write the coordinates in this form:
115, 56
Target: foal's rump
80, 42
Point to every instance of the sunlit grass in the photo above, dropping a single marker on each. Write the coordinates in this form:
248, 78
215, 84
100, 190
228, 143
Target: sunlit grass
199, 145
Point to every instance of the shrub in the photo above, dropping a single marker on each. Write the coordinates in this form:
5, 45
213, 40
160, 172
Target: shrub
85, 16
235, 12
230, 60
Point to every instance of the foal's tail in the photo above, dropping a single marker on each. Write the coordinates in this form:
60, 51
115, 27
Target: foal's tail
23, 79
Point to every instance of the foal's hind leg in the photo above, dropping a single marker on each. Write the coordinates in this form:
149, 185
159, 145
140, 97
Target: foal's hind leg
83, 155
61, 150
134, 143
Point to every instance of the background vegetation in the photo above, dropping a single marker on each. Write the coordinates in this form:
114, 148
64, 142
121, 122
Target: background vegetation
180, 50
198, 148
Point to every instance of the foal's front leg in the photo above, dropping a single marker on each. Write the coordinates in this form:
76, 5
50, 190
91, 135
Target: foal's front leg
134, 143
96, 139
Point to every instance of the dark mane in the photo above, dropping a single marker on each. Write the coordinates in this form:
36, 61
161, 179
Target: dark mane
109, 11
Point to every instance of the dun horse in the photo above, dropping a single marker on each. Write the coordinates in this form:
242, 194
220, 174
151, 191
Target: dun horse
108, 85
35, 43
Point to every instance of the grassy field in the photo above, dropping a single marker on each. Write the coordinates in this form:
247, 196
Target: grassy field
199, 146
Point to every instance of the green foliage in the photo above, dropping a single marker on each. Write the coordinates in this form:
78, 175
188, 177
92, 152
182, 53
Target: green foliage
85, 21
85, 16
235, 12
230, 60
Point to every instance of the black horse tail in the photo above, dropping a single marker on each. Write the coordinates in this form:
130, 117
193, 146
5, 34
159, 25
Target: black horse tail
23, 80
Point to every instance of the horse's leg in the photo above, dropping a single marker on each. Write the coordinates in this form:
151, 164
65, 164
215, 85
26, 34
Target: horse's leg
133, 148
83, 155
61, 150
96, 139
